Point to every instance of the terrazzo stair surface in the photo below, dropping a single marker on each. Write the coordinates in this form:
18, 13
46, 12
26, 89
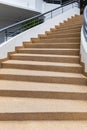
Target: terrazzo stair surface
60, 35
62, 31
44, 57
52, 45
55, 40
65, 28
42, 76
59, 51
68, 27
42, 109
47, 66
43, 125
42, 90
72, 25
44, 82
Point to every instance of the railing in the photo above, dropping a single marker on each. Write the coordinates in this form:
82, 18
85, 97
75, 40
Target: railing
85, 24
53, 1
10, 31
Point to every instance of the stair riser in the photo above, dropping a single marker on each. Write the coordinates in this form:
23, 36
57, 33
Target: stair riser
48, 59
66, 29
43, 116
67, 24
75, 20
63, 31
60, 36
53, 52
63, 45
44, 95
77, 40
44, 68
45, 79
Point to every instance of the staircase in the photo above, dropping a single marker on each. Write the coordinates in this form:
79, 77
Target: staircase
42, 84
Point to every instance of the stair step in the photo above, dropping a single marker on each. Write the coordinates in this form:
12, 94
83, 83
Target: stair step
63, 31
69, 27
56, 40
59, 35
21, 109
52, 51
72, 22
43, 125
52, 45
49, 58
67, 24
47, 66
44, 81
42, 76
76, 20
42, 90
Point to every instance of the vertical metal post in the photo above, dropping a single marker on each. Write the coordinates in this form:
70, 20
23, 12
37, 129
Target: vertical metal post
78, 3
51, 15
72, 5
27, 3
62, 5
62, 9
6, 37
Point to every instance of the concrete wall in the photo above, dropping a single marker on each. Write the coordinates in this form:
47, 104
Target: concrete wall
33, 32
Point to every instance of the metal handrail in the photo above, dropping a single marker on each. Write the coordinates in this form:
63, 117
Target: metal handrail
19, 27
85, 23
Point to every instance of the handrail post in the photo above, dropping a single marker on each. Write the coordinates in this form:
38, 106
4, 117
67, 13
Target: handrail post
72, 5
62, 9
51, 14
6, 37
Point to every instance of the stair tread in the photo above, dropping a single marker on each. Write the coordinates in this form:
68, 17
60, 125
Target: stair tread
20, 62
42, 55
47, 49
44, 87
30, 105
43, 125
41, 43
30, 43
39, 73
65, 38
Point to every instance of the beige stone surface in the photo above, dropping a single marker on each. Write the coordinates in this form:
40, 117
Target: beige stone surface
44, 125
31, 105
41, 63
34, 93
40, 73
46, 87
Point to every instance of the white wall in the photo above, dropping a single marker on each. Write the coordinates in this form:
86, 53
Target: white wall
15, 2
27, 4
46, 7
83, 50
36, 5
33, 32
